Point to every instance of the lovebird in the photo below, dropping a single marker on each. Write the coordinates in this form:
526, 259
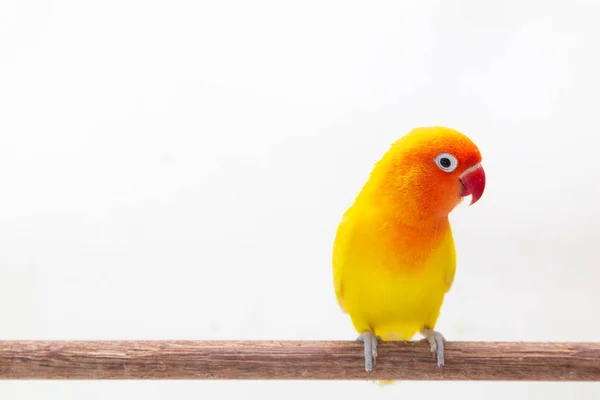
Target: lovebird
393, 255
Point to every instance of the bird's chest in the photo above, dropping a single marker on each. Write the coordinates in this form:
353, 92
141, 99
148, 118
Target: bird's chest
401, 276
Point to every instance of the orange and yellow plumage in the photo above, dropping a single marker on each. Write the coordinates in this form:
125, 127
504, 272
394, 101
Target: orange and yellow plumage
394, 257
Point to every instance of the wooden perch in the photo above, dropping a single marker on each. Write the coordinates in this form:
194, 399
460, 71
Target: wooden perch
295, 360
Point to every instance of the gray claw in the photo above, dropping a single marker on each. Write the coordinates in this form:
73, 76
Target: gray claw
436, 345
370, 346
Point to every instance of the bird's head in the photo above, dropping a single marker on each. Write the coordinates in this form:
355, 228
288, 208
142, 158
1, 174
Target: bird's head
427, 172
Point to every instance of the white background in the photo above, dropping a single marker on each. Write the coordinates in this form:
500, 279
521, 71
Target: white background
176, 170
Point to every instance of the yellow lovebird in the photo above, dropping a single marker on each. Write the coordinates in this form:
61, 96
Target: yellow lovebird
393, 255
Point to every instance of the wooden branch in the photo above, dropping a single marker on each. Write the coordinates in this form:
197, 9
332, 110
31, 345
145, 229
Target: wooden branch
295, 360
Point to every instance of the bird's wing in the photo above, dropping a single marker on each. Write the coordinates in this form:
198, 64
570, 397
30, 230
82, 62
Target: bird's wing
341, 247
451, 266
450, 275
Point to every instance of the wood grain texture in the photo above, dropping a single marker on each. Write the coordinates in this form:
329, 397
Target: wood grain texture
296, 360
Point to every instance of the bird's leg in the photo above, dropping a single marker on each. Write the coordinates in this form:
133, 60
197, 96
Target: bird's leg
436, 344
370, 344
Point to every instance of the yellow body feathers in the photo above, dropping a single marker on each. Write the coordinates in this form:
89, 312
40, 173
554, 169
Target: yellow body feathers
391, 278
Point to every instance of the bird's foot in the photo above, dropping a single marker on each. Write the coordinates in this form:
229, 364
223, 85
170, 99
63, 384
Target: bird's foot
370, 344
436, 345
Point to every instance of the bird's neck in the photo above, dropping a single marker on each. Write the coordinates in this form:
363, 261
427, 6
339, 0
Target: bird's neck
411, 243
412, 210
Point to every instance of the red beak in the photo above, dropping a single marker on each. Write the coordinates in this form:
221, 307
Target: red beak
473, 183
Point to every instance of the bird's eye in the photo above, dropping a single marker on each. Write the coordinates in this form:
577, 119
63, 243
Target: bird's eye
447, 162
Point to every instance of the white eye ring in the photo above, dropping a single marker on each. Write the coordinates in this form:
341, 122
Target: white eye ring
446, 162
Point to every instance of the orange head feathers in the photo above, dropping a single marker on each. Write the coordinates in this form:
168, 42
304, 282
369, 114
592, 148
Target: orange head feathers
425, 174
